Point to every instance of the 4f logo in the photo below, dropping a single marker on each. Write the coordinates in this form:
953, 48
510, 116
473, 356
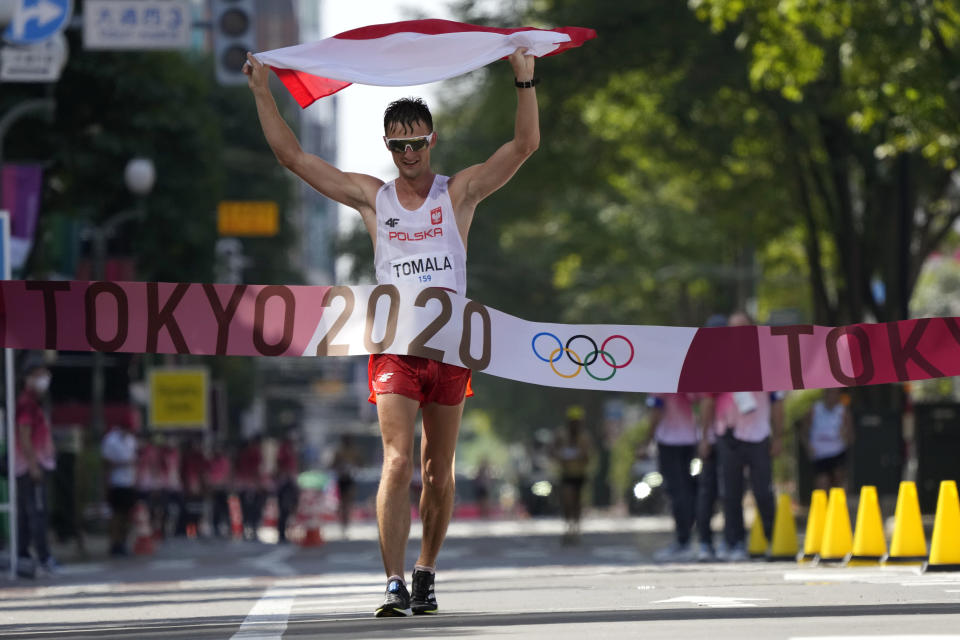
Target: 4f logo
436, 216
392, 222
384, 377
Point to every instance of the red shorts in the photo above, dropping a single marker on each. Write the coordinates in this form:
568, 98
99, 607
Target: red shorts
417, 378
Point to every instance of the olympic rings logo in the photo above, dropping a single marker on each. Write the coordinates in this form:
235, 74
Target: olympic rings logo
582, 364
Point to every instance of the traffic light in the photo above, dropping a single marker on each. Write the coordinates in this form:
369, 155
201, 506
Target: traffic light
234, 33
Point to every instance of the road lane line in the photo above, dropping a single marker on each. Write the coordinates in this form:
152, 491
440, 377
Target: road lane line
267, 619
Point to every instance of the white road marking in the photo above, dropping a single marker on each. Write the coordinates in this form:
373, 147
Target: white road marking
267, 619
903, 576
880, 637
72, 590
713, 601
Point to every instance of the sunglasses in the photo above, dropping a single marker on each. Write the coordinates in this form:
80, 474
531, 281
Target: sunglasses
399, 145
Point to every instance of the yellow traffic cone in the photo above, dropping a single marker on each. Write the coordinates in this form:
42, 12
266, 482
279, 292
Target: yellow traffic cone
945, 541
909, 544
784, 543
837, 534
757, 545
869, 545
816, 516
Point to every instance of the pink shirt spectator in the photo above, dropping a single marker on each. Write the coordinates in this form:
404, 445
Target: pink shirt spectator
30, 413
149, 468
287, 461
747, 413
193, 470
677, 424
170, 457
218, 471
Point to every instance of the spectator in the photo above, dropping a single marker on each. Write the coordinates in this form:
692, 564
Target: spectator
219, 473
248, 476
119, 451
193, 469
749, 426
572, 450
346, 460
673, 426
172, 484
827, 434
708, 481
33, 461
482, 483
288, 467
150, 481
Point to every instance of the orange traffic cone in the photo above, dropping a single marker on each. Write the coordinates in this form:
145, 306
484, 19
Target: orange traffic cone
236, 516
945, 542
869, 545
271, 512
143, 544
909, 543
816, 517
837, 533
309, 506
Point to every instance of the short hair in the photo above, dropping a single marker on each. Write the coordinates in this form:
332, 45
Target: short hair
407, 112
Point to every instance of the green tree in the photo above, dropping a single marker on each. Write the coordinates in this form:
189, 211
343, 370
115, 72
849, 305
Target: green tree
866, 106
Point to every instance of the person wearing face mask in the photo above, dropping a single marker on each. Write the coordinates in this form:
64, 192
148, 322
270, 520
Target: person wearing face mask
34, 460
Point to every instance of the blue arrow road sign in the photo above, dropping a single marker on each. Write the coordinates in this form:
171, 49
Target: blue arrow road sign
37, 20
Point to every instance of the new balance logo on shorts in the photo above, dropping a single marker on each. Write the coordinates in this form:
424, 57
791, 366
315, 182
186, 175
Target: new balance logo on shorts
384, 377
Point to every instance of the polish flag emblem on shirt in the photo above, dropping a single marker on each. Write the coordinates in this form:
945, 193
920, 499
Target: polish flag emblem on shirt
436, 216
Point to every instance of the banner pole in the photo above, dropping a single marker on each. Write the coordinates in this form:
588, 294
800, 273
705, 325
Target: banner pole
10, 412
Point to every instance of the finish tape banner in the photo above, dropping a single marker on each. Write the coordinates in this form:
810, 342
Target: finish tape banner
257, 320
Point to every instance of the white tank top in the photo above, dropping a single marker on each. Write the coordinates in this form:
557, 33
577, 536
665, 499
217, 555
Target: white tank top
826, 437
420, 247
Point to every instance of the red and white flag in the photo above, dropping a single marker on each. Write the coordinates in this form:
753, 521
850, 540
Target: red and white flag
406, 53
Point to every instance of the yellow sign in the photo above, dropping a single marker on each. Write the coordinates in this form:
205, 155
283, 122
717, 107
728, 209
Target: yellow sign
248, 218
178, 398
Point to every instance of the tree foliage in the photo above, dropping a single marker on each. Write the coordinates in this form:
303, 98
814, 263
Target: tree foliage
696, 155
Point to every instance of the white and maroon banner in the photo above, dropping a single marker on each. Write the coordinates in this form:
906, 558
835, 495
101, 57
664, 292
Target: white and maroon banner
247, 320
406, 53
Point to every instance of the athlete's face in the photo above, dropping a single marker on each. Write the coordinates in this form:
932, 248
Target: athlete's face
411, 163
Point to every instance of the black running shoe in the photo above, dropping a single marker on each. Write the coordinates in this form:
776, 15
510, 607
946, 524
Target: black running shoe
396, 602
423, 600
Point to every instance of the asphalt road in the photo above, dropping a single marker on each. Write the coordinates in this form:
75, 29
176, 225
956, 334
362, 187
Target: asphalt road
497, 580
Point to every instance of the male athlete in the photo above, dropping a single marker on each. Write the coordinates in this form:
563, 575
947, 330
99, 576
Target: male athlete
417, 216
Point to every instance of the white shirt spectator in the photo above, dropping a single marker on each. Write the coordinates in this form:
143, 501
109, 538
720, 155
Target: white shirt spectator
826, 431
747, 413
677, 425
119, 448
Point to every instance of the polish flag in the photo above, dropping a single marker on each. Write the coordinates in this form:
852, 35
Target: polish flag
406, 53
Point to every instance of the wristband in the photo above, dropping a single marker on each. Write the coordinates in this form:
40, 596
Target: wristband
526, 84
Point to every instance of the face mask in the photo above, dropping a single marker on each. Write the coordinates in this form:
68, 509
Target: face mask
41, 384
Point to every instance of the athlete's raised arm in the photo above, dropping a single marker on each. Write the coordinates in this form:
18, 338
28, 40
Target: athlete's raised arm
355, 190
473, 184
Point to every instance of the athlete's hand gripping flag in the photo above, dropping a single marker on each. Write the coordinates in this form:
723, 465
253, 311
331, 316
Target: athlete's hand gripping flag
407, 53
